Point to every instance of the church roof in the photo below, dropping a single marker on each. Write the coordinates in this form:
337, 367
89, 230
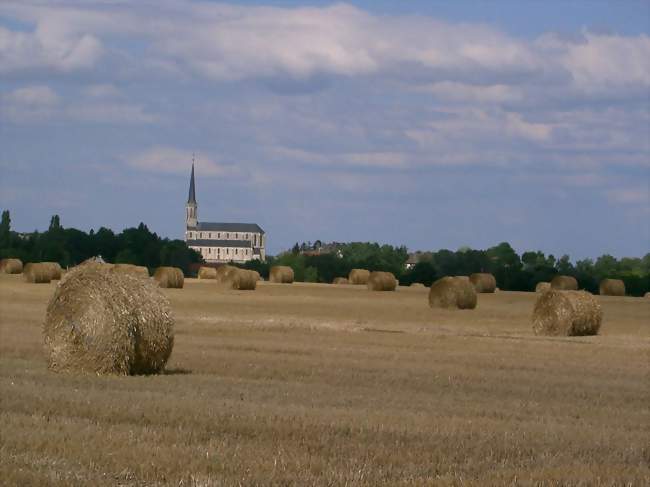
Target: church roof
191, 197
228, 227
219, 243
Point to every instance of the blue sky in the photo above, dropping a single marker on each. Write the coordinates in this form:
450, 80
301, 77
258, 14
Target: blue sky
433, 124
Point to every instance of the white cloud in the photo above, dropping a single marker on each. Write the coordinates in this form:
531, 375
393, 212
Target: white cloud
34, 95
634, 195
172, 160
106, 90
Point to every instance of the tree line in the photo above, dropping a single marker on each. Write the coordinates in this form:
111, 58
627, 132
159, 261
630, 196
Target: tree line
318, 262
69, 246
513, 272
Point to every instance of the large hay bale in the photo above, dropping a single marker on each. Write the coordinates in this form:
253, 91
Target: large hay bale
257, 275
224, 270
134, 270
103, 322
281, 274
207, 273
564, 283
241, 279
358, 276
452, 292
542, 286
169, 277
11, 266
37, 273
483, 282
340, 280
55, 270
612, 287
381, 281
566, 313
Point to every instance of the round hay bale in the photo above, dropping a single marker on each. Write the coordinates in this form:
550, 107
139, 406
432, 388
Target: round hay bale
646, 295
169, 277
55, 270
37, 273
452, 292
103, 322
462, 278
542, 286
566, 313
564, 283
224, 270
11, 266
483, 282
612, 287
340, 281
241, 280
134, 270
281, 274
358, 276
207, 273
381, 281
418, 285
257, 275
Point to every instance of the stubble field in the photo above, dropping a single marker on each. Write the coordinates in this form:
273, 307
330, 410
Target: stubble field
310, 384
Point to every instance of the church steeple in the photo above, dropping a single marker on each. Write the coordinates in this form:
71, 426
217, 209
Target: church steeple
192, 196
191, 208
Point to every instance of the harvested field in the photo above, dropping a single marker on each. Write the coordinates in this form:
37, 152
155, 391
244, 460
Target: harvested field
330, 385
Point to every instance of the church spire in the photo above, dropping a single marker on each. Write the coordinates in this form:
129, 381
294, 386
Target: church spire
191, 208
192, 195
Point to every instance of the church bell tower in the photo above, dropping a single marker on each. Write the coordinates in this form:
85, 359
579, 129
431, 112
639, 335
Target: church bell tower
191, 207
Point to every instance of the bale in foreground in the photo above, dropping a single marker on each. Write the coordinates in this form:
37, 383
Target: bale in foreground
566, 313
107, 323
207, 273
612, 287
358, 276
134, 270
452, 292
281, 274
542, 286
340, 280
483, 282
37, 273
564, 283
11, 266
381, 281
169, 277
241, 279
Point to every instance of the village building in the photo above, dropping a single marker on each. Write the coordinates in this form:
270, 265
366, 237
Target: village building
222, 242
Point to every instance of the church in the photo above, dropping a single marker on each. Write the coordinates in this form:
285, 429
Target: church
222, 242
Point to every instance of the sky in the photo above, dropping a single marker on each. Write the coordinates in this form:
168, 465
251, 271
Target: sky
430, 124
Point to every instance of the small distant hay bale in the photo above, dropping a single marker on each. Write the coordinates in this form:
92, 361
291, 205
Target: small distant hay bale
258, 276
103, 322
417, 285
542, 286
55, 270
169, 277
564, 283
281, 274
11, 266
612, 287
207, 273
646, 295
134, 270
381, 281
462, 278
452, 292
241, 280
37, 273
224, 270
566, 313
340, 280
483, 282
358, 276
